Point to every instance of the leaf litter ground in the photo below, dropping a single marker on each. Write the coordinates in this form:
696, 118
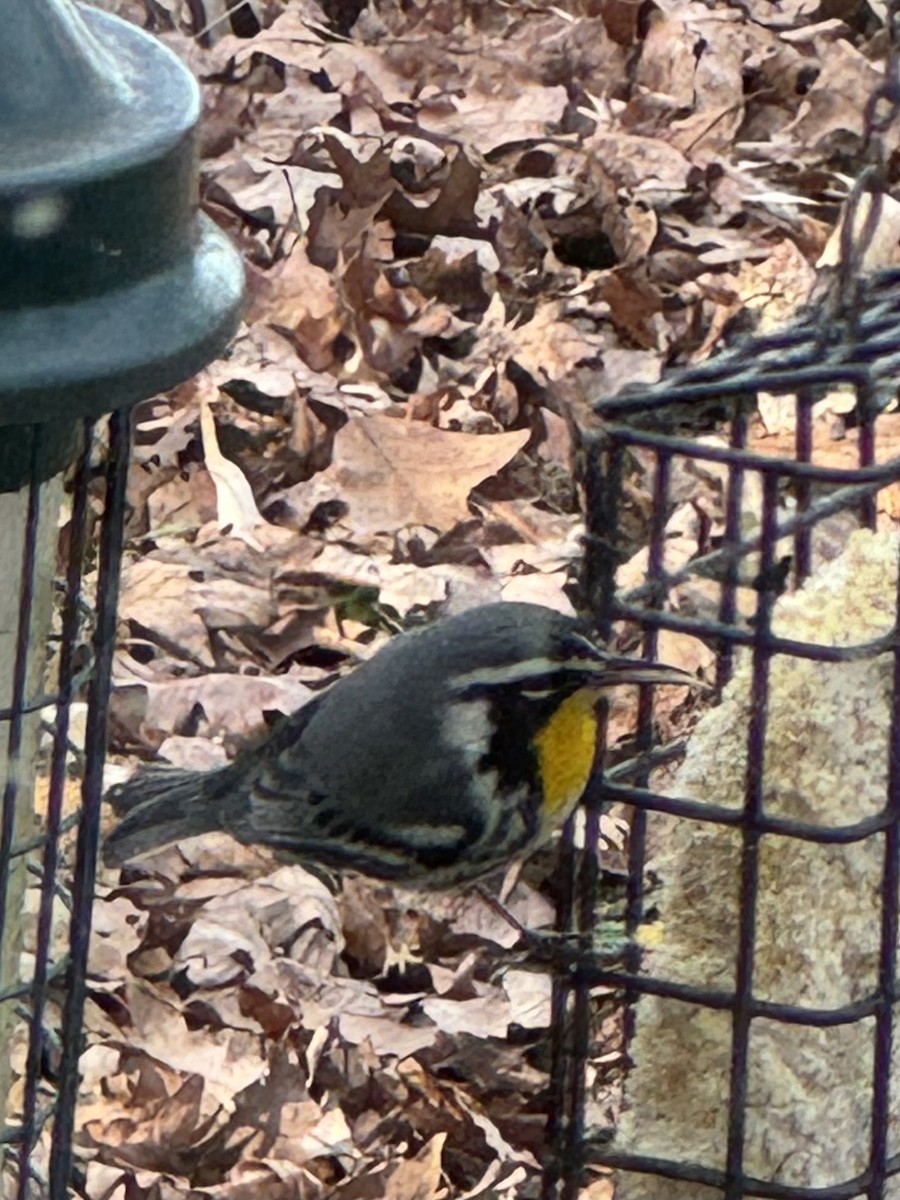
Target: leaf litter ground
462, 224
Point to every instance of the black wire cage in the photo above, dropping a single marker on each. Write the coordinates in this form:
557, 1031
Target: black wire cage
48, 841
759, 1026
112, 286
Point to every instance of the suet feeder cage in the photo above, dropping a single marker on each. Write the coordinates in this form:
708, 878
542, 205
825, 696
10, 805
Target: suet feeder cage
113, 286
759, 979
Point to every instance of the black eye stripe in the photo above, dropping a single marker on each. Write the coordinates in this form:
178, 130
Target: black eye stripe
543, 688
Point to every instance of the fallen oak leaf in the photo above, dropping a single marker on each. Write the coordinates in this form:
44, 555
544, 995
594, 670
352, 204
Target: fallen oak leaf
394, 473
418, 1177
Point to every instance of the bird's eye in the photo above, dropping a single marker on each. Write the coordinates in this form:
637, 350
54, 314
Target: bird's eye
580, 647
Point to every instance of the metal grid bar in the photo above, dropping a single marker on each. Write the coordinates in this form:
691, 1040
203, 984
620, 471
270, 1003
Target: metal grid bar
53, 826
738, 636
665, 1168
14, 734
732, 535
868, 411
111, 543
887, 967
571, 1008
835, 835
742, 1009
803, 451
733, 457
860, 349
788, 1014
637, 844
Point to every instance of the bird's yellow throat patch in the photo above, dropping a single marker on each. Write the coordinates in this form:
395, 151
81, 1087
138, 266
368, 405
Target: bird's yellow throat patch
565, 749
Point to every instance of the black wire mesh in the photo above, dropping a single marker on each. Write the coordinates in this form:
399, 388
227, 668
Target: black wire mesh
61, 654
798, 496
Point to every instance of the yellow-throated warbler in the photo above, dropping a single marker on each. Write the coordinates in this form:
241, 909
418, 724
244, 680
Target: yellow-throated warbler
453, 750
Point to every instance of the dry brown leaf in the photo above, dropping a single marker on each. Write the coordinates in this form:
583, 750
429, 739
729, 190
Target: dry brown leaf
548, 347
664, 67
245, 926
419, 1177
237, 511
405, 585
395, 473
386, 1036
485, 1016
529, 998
232, 705
117, 928
876, 233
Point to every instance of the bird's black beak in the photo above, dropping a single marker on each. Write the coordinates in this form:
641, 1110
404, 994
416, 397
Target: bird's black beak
602, 669
615, 670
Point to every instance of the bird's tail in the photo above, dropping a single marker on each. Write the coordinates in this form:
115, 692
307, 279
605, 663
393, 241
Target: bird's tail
161, 806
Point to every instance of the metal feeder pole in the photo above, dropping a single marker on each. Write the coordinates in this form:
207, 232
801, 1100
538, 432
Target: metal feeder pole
113, 286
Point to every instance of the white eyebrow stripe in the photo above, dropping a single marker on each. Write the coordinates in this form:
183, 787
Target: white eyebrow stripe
531, 668
611, 671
